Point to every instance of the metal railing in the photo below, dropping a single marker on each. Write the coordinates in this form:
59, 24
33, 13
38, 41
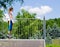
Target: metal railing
25, 28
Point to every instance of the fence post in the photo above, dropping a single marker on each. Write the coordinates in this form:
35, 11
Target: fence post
44, 28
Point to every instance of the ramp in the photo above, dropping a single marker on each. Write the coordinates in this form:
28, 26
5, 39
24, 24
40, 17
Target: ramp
22, 43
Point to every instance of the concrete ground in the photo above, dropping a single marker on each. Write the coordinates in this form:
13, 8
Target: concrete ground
22, 43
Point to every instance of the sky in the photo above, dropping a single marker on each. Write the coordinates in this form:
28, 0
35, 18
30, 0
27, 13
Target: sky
48, 8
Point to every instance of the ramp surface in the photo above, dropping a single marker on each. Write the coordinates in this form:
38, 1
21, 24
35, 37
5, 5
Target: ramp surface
22, 43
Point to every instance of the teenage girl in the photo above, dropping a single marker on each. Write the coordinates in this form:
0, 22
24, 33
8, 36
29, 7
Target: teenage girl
10, 23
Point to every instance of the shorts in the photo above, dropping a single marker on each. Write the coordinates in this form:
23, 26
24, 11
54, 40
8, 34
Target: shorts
10, 25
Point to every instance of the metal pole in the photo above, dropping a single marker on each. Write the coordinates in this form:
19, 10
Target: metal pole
44, 28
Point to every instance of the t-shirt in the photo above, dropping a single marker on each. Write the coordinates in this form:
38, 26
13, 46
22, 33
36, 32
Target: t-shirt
7, 17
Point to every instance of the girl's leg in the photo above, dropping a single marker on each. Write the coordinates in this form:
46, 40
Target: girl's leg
9, 28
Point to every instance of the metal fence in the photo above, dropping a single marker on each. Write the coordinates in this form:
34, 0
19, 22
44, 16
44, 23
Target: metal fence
24, 28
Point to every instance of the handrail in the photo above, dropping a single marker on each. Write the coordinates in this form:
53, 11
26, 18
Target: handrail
19, 18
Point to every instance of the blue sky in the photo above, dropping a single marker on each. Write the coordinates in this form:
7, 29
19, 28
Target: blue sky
54, 4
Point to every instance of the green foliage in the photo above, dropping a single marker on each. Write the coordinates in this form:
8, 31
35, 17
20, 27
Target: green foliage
55, 32
50, 22
27, 25
48, 37
53, 28
52, 33
1, 25
1, 15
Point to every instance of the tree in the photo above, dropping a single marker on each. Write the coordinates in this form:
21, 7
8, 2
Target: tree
36, 35
1, 25
55, 32
50, 22
48, 37
1, 15
4, 3
27, 25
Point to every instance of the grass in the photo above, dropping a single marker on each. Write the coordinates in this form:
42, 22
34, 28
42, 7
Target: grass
52, 45
55, 43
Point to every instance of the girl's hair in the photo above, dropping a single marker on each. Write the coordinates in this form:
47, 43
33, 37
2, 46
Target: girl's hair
10, 9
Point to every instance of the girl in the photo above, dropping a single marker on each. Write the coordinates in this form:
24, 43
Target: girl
10, 20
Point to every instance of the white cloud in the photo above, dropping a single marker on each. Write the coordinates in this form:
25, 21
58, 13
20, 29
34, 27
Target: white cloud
38, 10
26, 7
